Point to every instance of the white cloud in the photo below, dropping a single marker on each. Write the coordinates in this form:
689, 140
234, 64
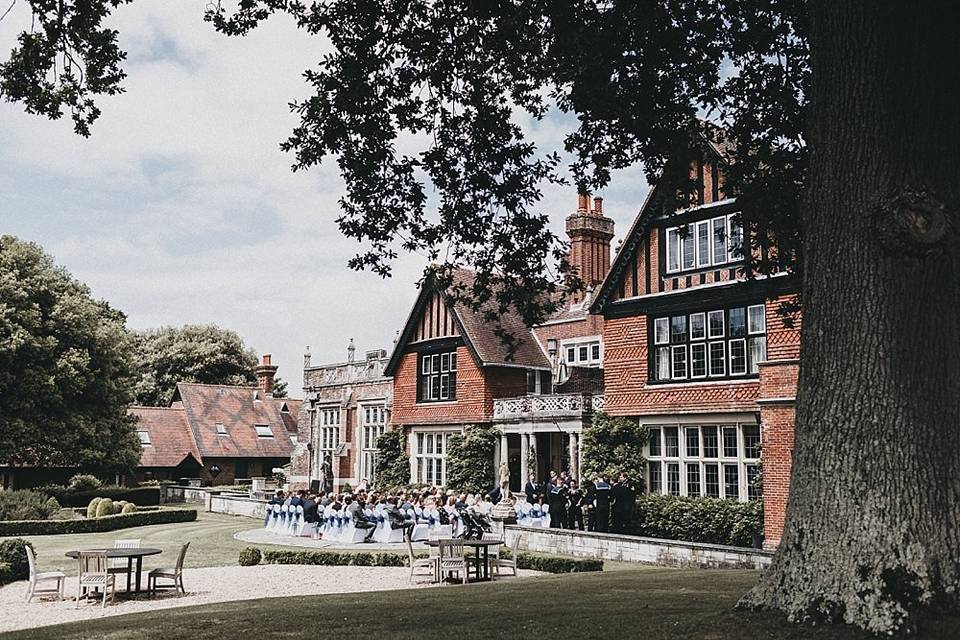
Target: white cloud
181, 207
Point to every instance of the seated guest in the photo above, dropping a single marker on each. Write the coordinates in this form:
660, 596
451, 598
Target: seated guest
486, 505
398, 519
310, 510
360, 520
276, 499
296, 499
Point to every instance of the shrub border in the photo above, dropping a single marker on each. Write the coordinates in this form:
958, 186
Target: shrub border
544, 563
95, 525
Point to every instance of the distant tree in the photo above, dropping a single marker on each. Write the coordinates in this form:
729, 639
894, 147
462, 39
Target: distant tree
279, 387
611, 446
470, 459
191, 353
65, 369
391, 465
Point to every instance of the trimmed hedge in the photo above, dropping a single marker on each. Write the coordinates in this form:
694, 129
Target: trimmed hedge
555, 564
6, 573
141, 496
95, 525
338, 559
708, 520
548, 564
250, 556
80, 511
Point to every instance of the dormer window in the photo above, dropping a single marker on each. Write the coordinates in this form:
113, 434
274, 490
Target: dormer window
144, 438
221, 430
263, 430
704, 244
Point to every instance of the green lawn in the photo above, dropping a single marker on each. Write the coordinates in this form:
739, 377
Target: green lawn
211, 542
646, 603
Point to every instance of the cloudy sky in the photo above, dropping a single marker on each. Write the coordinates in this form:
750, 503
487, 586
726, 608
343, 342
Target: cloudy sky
182, 209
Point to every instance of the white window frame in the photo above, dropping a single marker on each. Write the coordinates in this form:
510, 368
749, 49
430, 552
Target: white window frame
723, 324
741, 461
144, 438
663, 323
577, 345
673, 362
706, 361
672, 240
373, 424
723, 359
263, 431
703, 224
329, 430
746, 363
430, 467
221, 430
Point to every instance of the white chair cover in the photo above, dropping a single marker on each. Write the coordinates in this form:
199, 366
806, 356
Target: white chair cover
545, 521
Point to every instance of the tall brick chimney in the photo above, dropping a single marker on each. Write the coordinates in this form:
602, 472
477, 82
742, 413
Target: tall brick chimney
590, 235
265, 373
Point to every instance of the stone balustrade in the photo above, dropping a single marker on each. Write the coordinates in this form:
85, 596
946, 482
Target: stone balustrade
546, 406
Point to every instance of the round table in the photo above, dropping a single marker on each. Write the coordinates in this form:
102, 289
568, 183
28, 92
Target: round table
477, 546
131, 554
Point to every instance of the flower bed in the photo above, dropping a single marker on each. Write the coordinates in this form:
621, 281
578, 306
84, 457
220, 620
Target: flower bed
95, 525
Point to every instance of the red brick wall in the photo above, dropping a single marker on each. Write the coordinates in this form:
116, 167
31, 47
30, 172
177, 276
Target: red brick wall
471, 404
626, 374
778, 390
592, 325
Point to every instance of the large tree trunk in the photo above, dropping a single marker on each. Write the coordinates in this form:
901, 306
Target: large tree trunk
872, 534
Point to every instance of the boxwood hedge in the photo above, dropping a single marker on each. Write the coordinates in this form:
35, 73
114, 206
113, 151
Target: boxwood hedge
95, 525
708, 520
548, 564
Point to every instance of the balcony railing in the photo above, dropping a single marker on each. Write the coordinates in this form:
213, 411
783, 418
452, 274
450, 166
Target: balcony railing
548, 406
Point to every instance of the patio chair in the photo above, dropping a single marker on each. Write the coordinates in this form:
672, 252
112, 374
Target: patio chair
509, 563
163, 573
426, 563
36, 577
453, 559
95, 574
121, 566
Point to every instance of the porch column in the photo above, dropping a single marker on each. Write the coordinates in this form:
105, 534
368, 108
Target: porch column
504, 455
524, 456
575, 455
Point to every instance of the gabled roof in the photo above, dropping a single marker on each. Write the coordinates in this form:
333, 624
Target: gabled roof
239, 410
486, 347
722, 148
170, 438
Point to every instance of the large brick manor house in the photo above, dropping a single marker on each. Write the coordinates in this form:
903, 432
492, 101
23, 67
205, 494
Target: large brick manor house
671, 334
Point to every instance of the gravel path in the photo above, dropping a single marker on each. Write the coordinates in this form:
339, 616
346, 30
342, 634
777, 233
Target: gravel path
209, 585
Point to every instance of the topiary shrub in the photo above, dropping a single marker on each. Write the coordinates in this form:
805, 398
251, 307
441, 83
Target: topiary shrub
105, 508
27, 505
13, 555
84, 482
250, 556
129, 508
92, 507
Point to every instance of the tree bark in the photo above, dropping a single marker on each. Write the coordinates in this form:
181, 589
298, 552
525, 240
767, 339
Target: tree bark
872, 534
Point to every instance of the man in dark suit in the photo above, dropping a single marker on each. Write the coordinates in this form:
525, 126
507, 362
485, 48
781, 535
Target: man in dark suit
624, 497
532, 489
310, 513
297, 499
360, 518
575, 510
397, 518
601, 503
557, 499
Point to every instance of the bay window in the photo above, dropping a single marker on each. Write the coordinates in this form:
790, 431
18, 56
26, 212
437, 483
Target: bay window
373, 423
718, 461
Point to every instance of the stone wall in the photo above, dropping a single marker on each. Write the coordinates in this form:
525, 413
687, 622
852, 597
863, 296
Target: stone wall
237, 506
610, 546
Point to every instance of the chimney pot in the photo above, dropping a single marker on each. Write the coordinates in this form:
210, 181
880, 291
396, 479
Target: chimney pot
266, 358
583, 202
598, 205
